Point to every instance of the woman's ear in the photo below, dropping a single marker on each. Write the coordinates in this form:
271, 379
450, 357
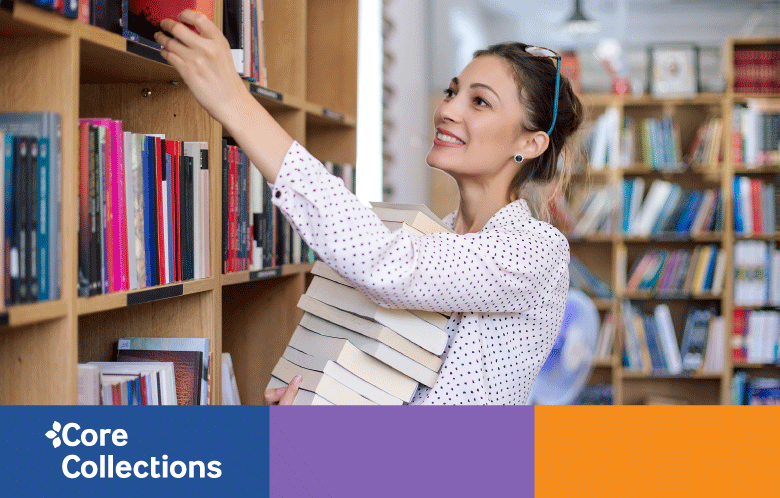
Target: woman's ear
534, 144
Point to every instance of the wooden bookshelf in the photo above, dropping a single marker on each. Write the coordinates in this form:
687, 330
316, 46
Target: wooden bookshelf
632, 387
50, 63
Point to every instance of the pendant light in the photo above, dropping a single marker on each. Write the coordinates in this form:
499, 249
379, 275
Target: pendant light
577, 24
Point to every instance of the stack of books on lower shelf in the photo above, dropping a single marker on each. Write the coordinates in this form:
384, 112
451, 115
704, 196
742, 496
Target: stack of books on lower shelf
351, 351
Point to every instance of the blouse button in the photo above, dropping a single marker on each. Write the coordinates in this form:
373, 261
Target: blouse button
278, 194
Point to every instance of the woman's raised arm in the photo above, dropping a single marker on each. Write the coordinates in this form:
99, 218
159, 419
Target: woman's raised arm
205, 64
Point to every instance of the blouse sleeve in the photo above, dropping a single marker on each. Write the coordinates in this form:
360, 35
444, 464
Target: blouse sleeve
497, 270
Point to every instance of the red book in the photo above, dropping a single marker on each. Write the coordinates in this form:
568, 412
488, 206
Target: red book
177, 182
170, 148
143, 389
116, 393
158, 166
756, 188
233, 216
118, 194
84, 11
144, 16
739, 353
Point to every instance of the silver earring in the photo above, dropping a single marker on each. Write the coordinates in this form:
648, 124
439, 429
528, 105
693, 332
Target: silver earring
519, 158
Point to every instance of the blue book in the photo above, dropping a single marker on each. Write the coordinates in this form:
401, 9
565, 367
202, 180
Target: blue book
43, 216
8, 190
628, 191
739, 226
711, 268
150, 213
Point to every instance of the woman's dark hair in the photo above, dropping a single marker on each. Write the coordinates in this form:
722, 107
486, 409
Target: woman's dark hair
535, 78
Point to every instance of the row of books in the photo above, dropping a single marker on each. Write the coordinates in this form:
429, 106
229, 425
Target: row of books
749, 390
589, 211
651, 344
660, 140
349, 350
149, 371
596, 394
242, 25
756, 132
143, 209
30, 166
606, 337
583, 279
667, 208
74, 9
707, 147
756, 71
756, 273
696, 272
755, 336
756, 206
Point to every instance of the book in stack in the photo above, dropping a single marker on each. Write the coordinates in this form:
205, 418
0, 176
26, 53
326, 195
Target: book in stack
351, 351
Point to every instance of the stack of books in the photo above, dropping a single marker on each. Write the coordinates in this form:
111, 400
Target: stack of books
351, 351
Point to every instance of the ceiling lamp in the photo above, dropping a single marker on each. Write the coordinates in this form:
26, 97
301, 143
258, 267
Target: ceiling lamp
577, 24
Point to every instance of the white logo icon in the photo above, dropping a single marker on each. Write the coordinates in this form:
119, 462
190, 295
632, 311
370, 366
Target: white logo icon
54, 434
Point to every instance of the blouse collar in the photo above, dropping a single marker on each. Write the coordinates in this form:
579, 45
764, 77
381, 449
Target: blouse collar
514, 211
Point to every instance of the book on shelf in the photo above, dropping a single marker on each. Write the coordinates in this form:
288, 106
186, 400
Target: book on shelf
755, 70
89, 385
153, 383
141, 18
143, 209
755, 336
651, 343
242, 22
606, 338
754, 390
583, 279
706, 150
596, 394
756, 128
586, 212
32, 199
230, 394
190, 358
68, 8
756, 206
679, 273
756, 273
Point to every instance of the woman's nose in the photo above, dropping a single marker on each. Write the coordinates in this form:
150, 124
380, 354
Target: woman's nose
451, 110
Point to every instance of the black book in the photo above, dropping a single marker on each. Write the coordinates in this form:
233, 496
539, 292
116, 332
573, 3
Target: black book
94, 215
21, 167
106, 14
32, 222
189, 233
268, 227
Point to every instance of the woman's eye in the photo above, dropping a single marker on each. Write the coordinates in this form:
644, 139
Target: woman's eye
481, 101
449, 92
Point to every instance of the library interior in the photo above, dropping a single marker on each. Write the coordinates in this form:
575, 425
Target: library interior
146, 260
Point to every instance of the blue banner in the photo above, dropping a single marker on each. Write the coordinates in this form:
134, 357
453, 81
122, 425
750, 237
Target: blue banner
126, 451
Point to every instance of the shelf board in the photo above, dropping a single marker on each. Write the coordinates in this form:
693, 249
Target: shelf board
710, 173
29, 21
605, 99
116, 300
628, 374
755, 365
742, 97
757, 307
593, 238
603, 363
757, 169
758, 236
660, 238
32, 313
602, 304
241, 277
317, 114
649, 296
274, 100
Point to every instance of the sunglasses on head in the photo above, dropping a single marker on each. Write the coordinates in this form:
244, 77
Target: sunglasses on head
546, 53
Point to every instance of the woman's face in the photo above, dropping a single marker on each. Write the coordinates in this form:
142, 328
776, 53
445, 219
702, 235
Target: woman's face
478, 125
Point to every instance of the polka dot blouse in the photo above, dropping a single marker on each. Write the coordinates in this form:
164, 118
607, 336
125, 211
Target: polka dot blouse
505, 286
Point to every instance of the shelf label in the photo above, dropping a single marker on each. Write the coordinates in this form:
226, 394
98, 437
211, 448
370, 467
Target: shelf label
145, 51
3, 319
267, 273
333, 115
155, 294
265, 92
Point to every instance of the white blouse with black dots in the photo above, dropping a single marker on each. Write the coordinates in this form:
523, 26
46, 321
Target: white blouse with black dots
505, 286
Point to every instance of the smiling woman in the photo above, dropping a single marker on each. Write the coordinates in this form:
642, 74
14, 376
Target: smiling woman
502, 275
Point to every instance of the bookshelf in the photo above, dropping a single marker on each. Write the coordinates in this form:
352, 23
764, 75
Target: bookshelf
611, 256
50, 63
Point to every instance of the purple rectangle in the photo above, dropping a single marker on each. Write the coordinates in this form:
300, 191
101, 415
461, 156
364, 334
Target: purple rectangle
402, 451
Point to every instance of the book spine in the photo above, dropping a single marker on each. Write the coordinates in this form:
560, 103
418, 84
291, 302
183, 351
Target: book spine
32, 221
95, 261
83, 274
205, 218
225, 211
10, 259
120, 203
43, 219
20, 173
159, 167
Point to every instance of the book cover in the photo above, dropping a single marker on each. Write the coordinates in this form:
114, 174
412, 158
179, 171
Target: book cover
141, 18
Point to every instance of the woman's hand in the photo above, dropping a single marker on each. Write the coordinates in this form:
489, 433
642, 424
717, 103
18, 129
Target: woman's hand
283, 395
204, 62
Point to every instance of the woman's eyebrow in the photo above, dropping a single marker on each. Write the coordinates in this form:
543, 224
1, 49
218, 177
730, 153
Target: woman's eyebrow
477, 85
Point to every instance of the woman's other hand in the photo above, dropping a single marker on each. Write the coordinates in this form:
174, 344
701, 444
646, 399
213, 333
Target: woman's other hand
204, 62
283, 395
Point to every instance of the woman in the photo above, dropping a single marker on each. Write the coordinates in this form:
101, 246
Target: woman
502, 274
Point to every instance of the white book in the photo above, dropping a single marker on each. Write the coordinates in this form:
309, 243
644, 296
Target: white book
256, 200
138, 259
164, 383
657, 196
341, 374
663, 319
204, 218
412, 327
130, 192
417, 215
376, 349
775, 279
746, 205
356, 361
319, 383
370, 329
229, 384
89, 384
720, 273
637, 195
303, 397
